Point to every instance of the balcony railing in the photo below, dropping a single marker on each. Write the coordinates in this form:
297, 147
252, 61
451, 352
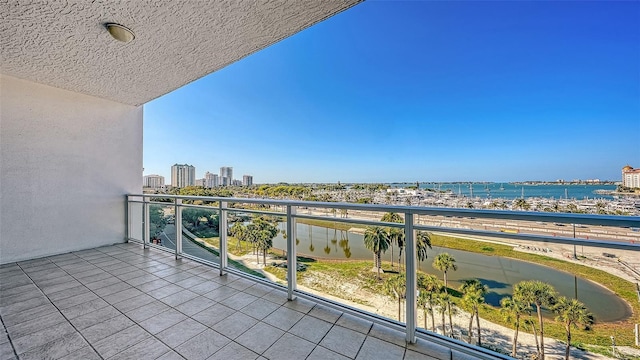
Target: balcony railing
531, 232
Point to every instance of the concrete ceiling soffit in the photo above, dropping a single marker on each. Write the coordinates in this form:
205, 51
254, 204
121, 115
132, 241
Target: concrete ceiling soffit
65, 44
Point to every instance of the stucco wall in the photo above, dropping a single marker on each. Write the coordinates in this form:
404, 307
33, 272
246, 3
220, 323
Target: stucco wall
66, 162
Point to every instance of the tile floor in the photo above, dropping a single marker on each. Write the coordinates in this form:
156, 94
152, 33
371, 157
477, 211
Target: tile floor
123, 302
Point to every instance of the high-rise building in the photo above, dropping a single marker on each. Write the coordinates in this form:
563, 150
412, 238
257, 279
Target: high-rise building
247, 180
153, 181
630, 177
226, 176
211, 180
200, 182
183, 175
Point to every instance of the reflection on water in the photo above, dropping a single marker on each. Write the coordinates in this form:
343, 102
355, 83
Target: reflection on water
498, 274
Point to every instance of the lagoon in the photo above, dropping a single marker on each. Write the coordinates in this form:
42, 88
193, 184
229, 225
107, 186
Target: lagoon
498, 274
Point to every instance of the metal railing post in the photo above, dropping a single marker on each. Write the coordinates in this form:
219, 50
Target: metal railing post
146, 237
127, 216
223, 237
411, 276
292, 263
178, 225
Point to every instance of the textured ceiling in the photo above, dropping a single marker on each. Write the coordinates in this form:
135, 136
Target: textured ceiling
65, 44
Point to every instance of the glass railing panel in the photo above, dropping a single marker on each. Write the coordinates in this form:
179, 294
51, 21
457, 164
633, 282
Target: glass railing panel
489, 276
162, 225
136, 221
201, 232
256, 241
334, 262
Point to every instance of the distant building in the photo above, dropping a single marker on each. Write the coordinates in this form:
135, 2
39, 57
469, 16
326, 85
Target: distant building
183, 175
630, 177
247, 180
153, 181
226, 176
211, 180
200, 182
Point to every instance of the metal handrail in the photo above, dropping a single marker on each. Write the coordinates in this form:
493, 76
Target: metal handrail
410, 226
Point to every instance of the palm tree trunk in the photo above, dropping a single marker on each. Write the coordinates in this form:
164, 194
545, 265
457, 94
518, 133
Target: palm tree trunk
541, 331
399, 306
535, 336
433, 319
391, 256
379, 265
445, 283
424, 313
375, 261
450, 321
264, 257
568, 348
515, 339
470, 327
478, 326
444, 325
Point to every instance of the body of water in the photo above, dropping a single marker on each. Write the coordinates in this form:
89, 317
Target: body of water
514, 191
498, 274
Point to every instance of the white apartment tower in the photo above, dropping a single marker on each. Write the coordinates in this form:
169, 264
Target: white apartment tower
247, 180
211, 180
226, 176
153, 181
183, 175
630, 177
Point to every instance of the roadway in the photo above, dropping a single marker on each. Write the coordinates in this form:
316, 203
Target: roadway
168, 237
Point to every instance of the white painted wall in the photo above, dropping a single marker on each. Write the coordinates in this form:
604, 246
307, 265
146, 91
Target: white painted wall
66, 162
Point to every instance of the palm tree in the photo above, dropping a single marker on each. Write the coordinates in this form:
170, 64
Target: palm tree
538, 293
393, 233
423, 241
441, 301
571, 312
239, 231
376, 240
424, 302
261, 233
511, 311
445, 262
252, 235
396, 287
473, 297
432, 286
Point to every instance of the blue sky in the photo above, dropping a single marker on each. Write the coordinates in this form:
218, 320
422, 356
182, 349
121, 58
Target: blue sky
419, 91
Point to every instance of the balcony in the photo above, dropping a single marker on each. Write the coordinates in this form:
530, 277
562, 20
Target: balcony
175, 300
571, 236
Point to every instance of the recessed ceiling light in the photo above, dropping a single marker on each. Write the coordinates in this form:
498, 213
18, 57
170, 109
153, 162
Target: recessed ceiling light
119, 32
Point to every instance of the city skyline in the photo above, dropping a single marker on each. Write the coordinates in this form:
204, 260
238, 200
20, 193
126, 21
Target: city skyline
420, 91
183, 175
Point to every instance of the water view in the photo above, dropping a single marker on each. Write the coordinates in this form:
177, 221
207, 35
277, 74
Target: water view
513, 191
498, 274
